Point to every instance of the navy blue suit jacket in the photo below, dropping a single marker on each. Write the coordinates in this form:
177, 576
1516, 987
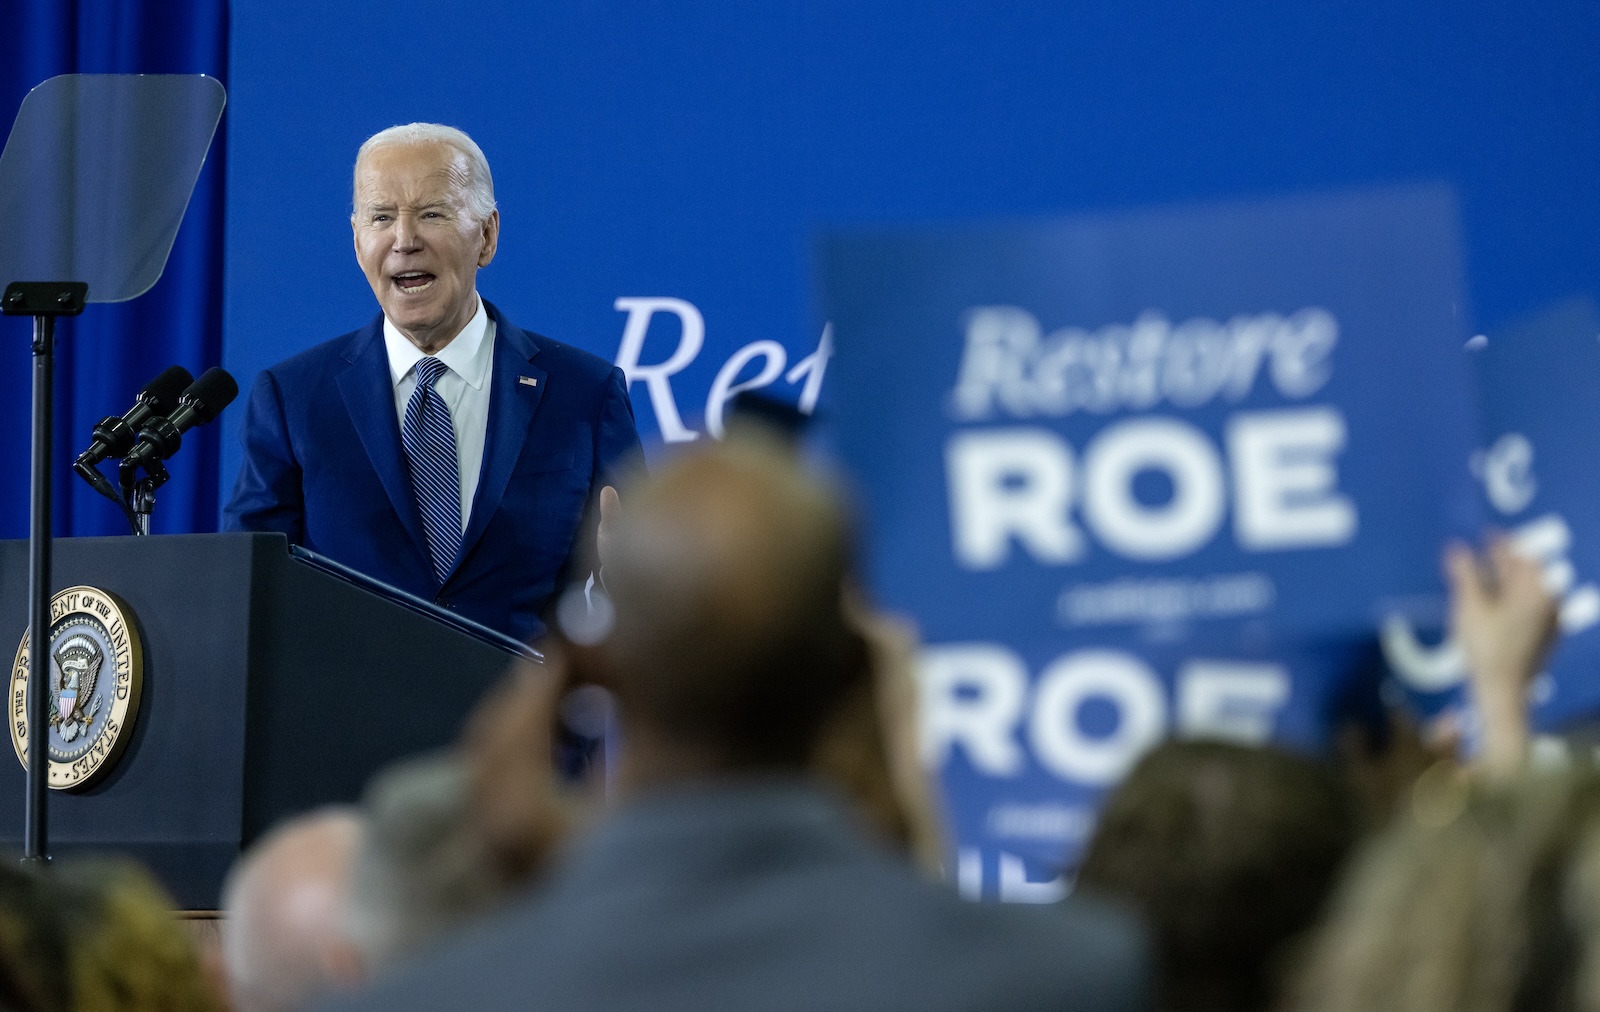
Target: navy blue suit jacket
323, 464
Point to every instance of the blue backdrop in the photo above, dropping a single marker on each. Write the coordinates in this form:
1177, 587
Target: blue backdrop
662, 170
106, 355
647, 150
662, 151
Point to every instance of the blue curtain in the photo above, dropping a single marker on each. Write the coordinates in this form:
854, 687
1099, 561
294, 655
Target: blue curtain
107, 354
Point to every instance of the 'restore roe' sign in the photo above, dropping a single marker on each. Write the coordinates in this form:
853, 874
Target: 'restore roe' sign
1537, 380
1019, 483
1138, 475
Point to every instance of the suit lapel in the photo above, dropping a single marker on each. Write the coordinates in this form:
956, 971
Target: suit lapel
513, 401
369, 397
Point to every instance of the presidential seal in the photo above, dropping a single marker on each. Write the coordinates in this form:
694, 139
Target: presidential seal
96, 673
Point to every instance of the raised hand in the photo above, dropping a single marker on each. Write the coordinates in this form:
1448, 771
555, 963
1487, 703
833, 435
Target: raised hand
518, 803
1505, 621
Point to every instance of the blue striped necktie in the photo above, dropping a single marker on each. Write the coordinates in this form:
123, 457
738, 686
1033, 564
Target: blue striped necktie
430, 443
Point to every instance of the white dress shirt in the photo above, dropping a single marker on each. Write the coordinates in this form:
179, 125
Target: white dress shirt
464, 385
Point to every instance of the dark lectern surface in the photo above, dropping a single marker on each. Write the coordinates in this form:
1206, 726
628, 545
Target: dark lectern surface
271, 686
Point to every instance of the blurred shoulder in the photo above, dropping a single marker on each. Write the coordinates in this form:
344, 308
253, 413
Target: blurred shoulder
494, 963
1093, 952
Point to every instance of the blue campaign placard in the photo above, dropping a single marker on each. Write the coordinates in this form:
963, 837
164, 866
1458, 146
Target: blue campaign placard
1244, 412
1029, 738
1540, 436
1540, 390
1159, 473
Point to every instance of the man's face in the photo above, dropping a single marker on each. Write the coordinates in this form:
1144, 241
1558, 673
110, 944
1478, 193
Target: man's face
417, 240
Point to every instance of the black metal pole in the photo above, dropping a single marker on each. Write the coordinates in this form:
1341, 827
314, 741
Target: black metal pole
35, 833
44, 301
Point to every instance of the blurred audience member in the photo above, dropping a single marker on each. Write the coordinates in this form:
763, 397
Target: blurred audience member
284, 940
869, 748
34, 970
1484, 898
1379, 744
1229, 852
729, 878
522, 811
126, 949
422, 867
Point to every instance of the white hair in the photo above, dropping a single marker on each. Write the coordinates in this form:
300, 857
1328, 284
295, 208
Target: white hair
480, 185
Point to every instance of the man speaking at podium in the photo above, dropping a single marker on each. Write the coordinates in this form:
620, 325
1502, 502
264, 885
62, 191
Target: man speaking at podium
439, 448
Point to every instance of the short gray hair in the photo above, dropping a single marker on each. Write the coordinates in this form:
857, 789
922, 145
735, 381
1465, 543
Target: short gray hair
480, 184
422, 868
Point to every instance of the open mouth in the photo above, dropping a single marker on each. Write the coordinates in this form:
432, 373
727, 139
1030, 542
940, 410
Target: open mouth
413, 282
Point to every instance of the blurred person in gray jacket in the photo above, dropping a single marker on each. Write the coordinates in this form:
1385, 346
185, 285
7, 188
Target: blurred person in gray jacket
728, 877
422, 868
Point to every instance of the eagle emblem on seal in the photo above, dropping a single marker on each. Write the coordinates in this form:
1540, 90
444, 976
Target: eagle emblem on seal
93, 681
74, 669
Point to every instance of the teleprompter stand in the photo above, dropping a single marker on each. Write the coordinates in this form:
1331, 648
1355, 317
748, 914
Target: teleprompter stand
44, 301
94, 180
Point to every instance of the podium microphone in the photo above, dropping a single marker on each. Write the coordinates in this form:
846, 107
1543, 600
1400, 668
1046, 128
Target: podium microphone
114, 436
203, 401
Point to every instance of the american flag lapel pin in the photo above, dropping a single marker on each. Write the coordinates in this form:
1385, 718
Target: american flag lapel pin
528, 381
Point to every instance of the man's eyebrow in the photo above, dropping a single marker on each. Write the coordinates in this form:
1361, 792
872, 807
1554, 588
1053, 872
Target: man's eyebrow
388, 206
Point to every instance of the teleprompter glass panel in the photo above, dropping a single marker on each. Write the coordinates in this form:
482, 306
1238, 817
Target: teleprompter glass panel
96, 175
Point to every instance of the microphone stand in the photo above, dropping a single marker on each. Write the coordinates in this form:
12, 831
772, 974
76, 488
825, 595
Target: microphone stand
44, 301
140, 493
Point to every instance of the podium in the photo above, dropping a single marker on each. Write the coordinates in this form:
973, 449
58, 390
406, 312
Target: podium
272, 684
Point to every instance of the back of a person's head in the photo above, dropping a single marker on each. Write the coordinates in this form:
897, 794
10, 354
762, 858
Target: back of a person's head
284, 940
1229, 853
727, 572
422, 868
126, 948
35, 975
1480, 898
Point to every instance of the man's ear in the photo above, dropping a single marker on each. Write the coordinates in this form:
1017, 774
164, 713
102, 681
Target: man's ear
491, 238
